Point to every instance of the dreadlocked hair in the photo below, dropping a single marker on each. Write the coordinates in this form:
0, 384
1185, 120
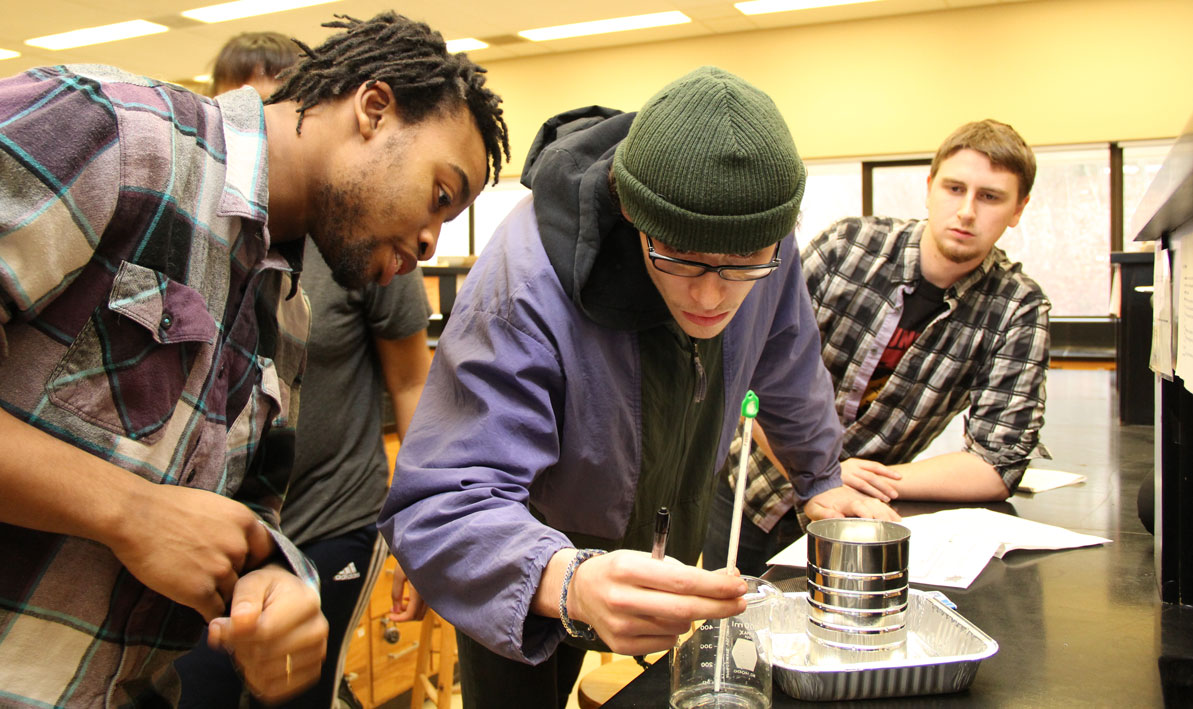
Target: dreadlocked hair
412, 59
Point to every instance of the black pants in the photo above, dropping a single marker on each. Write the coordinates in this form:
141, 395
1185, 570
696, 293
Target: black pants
490, 681
210, 680
754, 545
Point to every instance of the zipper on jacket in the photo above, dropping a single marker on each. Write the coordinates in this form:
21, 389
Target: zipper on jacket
701, 379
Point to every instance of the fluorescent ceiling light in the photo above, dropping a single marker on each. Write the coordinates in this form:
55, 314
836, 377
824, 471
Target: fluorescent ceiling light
247, 8
97, 35
202, 79
467, 44
617, 24
761, 7
8, 54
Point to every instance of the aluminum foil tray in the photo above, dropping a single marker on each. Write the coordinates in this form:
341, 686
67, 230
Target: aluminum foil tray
942, 655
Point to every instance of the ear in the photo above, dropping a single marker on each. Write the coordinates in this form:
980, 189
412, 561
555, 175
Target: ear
1019, 212
626, 214
373, 105
928, 190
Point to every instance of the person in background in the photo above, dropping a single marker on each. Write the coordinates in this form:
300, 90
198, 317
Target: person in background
363, 341
152, 341
919, 320
593, 370
255, 59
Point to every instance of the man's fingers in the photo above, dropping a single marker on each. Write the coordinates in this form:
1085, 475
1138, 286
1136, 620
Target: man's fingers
261, 545
210, 605
217, 632
872, 510
642, 644
886, 491
869, 486
657, 612
678, 579
285, 676
248, 601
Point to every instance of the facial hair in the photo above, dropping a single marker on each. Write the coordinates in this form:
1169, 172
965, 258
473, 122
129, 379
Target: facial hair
955, 253
348, 259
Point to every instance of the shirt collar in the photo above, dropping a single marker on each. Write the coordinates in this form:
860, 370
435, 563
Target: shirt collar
246, 153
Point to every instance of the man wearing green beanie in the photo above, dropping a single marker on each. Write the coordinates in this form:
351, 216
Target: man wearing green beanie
592, 372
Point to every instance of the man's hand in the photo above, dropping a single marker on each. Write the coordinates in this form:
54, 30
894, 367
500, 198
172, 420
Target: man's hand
190, 545
275, 633
870, 477
639, 605
405, 607
844, 501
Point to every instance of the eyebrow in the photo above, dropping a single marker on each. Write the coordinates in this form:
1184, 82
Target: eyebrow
464, 184
954, 181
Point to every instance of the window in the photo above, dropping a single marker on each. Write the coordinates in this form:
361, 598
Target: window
468, 233
1063, 238
492, 206
1141, 163
454, 236
900, 190
833, 191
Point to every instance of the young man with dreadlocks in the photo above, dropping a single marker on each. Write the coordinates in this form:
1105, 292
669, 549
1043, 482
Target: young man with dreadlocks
152, 343
363, 341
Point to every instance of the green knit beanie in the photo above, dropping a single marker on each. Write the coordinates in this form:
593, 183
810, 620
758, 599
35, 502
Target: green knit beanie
709, 166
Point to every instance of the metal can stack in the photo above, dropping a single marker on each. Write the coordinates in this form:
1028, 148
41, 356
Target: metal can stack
857, 589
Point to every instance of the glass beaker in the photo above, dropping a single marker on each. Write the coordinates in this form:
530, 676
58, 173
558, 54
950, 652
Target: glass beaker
726, 662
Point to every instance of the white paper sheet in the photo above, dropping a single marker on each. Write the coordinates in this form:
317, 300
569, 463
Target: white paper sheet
1042, 479
1162, 342
950, 548
1182, 326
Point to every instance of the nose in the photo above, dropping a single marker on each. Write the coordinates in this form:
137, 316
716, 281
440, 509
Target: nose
708, 290
428, 238
965, 212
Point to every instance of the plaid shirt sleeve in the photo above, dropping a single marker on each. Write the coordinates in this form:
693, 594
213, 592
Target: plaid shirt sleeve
1007, 403
769, 494
144, 319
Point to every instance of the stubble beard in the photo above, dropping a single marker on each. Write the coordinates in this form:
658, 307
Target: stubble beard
348, 259
955, 253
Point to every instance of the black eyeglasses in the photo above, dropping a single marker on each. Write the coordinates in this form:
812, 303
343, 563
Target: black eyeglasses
693, 269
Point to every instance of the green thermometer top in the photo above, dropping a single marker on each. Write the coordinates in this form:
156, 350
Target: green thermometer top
749, 405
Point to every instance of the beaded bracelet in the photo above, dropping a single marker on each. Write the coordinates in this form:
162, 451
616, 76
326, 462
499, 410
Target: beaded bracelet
576, 629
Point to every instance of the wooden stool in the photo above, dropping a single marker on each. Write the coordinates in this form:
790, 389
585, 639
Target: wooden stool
599, 685
445, 665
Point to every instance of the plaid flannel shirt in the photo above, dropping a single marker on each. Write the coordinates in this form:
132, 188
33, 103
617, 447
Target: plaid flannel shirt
987, 352
145, 319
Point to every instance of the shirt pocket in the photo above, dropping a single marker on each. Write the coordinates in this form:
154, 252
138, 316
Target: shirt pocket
128, 366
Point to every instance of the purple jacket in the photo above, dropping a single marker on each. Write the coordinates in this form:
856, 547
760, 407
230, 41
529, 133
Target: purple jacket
531, 401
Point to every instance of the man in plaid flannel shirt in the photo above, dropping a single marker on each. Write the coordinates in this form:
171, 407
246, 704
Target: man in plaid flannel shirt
919, 320
152, 341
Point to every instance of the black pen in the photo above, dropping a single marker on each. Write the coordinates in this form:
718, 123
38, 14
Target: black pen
662, 521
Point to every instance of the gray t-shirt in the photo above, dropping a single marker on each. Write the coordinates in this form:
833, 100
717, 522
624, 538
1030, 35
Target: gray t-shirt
340, 469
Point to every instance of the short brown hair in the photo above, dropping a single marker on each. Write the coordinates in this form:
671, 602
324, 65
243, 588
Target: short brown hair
999, 142
250, 54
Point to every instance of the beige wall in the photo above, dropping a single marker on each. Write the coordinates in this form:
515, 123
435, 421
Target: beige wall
1060, 71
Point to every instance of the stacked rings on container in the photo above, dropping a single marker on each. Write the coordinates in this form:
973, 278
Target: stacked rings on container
857, 589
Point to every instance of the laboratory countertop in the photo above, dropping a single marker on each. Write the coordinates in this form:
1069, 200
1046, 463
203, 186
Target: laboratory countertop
1079, 627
